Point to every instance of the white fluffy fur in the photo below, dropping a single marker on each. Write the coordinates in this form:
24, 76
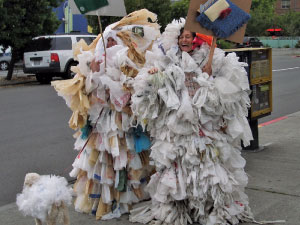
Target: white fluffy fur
43, 197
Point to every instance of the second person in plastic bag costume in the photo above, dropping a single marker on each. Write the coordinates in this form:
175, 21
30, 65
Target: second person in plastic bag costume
112, 166
197, 119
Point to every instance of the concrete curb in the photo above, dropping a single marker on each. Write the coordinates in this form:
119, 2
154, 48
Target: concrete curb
286, 51
7, 207
9, 83
17, 82
18, 78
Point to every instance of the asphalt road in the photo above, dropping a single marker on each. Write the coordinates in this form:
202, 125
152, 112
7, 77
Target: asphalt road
286, 87
34, 136
34, 133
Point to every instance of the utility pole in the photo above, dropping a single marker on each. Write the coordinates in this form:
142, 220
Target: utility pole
68, 17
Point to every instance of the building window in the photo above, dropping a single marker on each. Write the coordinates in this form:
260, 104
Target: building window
285, 4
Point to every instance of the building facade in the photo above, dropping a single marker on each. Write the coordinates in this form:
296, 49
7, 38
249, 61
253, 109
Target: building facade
70, 22
284, 6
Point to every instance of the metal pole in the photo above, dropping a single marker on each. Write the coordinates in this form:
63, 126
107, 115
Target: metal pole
101, 31
69, 17
65, 18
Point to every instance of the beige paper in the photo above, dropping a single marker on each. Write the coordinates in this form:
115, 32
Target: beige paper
214, 11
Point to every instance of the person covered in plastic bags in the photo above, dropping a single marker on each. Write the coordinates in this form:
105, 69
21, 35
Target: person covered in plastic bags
112, 167
196, 117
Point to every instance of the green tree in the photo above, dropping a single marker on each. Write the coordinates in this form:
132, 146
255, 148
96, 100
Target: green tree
21, 20
266, 4
161, 8
290, 23
262, 17
179, 9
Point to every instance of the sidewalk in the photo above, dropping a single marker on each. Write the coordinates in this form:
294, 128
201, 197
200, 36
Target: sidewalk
285, 51
18, 78
274, 180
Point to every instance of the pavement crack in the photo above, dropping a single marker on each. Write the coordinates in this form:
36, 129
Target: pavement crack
273, 192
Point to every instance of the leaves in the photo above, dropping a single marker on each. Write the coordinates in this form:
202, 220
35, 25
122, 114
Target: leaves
161, 8
21, 20
262, 17
179, 9
290, 23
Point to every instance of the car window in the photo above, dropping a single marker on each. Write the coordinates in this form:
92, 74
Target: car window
46, 44
62, 43
246, 39
88, 40
40, 44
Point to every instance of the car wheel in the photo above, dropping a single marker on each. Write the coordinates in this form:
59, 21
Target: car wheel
3, 65
43, 78
69, 73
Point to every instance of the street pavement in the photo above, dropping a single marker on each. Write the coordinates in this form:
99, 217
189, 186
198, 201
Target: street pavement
274, 180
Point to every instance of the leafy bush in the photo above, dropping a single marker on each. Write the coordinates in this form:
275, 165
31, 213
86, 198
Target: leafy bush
223, 44
298, 44
286, 46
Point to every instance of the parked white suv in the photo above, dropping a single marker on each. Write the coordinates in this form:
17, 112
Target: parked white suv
51, 56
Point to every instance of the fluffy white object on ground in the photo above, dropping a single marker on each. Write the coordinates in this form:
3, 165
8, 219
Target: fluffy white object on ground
37, 200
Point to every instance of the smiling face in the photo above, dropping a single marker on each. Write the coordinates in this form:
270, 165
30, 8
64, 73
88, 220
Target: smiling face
185, 41
110, 42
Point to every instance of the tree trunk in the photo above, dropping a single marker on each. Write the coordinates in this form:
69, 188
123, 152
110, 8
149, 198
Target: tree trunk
11, 65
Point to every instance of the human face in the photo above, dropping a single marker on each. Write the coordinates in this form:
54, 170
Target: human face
185, 41
110, 42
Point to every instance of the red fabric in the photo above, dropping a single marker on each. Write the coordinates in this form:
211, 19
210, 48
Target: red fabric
197, 42
200, 39
225, 13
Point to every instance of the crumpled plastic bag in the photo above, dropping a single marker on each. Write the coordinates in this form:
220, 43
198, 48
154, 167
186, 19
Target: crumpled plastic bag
120, 161
185, 111
141, 140
134, 161
118, 96
128, 196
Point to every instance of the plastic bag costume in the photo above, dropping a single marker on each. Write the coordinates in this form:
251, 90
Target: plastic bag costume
197, 123
112, 166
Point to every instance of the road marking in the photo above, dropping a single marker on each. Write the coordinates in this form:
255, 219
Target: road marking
292, 68
272, 121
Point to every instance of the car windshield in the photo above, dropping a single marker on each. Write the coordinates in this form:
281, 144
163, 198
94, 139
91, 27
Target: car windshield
46, 44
